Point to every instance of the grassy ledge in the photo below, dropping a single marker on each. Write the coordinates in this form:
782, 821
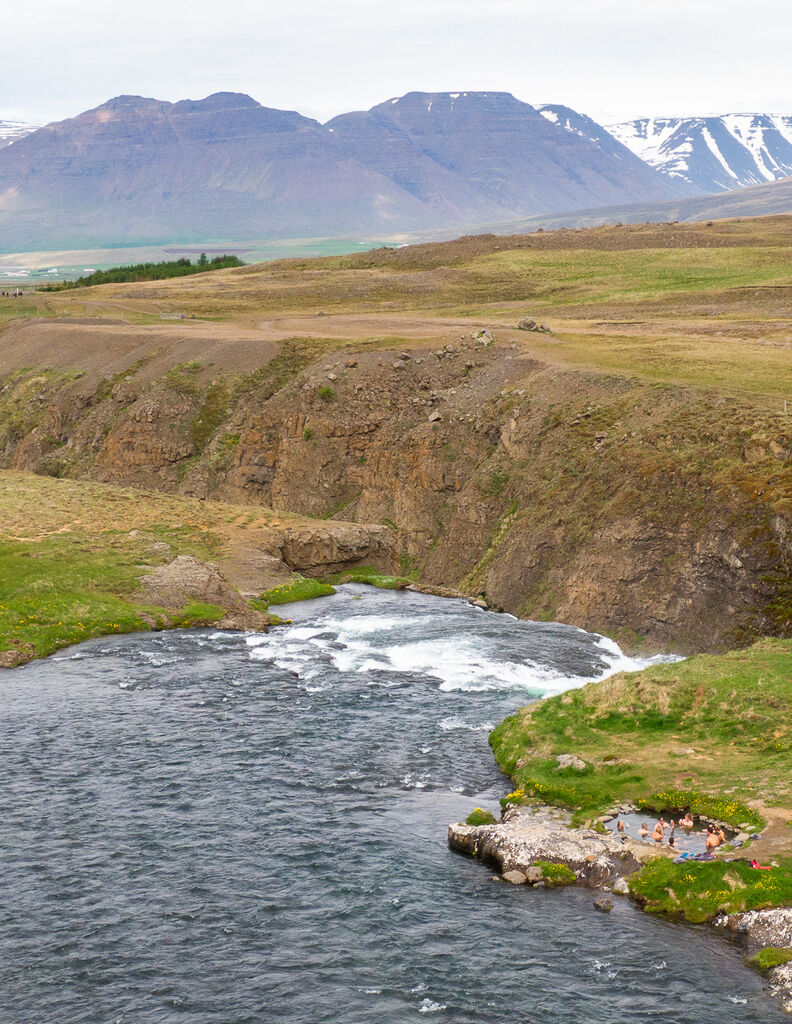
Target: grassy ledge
72, 555
368, 574
712, 733
700, 891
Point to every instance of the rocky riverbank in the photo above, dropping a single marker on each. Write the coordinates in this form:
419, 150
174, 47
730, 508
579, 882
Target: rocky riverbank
529, 842
81, 559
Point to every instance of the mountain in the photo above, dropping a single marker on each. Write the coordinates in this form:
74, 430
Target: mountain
474, 154
586, 128
138, 170
713, 154
10, 131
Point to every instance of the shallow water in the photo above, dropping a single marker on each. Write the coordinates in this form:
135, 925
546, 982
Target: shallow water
208, 827
685, 841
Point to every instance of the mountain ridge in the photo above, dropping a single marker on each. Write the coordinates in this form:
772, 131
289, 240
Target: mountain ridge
143, 170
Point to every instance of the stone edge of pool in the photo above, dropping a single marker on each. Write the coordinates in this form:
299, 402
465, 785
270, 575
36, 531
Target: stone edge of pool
527, 837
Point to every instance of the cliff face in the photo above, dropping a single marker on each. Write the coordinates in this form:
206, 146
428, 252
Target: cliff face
651, 512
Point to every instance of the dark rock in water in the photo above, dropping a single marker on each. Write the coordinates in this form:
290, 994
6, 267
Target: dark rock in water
603, 904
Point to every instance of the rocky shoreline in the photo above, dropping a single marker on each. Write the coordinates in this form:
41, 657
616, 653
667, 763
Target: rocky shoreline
528, 837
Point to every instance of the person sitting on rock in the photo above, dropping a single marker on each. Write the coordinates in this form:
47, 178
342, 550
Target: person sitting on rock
713, 839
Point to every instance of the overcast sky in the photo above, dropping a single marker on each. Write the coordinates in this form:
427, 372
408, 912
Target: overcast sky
612, 59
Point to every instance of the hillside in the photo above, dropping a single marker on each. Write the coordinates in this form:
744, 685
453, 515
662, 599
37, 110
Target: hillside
753, 201
139, 171
713, 154
628, 472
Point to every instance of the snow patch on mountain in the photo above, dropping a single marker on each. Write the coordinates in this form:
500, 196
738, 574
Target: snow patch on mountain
713, 154
10, 131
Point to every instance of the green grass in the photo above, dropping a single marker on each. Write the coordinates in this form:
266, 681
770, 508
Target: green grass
299, 588
770, 957
699, 891
67, 588
713, 733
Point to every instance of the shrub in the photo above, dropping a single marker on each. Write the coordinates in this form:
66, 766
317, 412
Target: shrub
326, 393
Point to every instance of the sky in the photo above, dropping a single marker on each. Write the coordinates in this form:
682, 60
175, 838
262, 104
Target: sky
611, 59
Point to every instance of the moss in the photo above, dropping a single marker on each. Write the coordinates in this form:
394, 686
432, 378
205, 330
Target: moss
770, 957
300, 588
368, 574
213, 412
480, 817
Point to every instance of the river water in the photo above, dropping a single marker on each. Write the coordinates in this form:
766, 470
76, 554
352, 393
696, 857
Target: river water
213, 828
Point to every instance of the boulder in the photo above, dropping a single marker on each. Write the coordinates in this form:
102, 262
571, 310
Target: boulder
621, 888
515, 877
603, 904
570, 761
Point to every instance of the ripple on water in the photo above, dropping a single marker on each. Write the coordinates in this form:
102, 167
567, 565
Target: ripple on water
206, 826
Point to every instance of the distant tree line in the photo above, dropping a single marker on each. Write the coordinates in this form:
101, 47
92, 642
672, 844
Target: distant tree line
149, 272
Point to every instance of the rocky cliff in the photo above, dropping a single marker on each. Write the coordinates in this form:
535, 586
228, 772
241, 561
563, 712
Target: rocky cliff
651, 512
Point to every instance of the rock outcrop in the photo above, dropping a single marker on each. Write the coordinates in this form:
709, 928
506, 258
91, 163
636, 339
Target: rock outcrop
553, 494
527, 835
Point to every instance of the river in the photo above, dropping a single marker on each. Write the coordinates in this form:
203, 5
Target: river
215, 828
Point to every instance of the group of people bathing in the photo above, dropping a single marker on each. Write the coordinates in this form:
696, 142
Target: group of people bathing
713, 837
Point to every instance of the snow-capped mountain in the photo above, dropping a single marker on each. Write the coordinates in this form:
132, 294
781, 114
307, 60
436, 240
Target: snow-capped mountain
10, 131
588, 129
713, 154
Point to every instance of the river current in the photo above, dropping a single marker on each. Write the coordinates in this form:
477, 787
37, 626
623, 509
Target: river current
215, 828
